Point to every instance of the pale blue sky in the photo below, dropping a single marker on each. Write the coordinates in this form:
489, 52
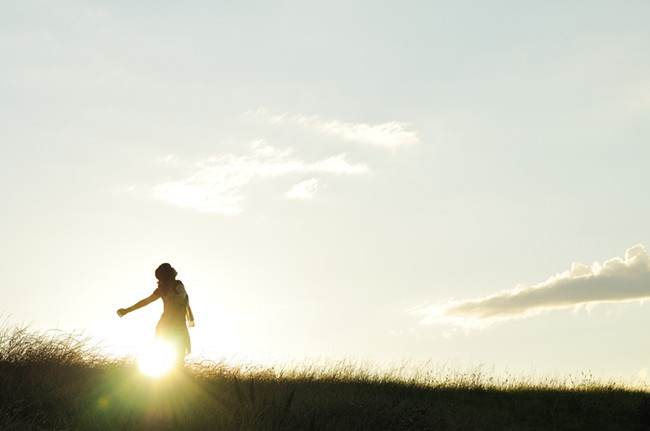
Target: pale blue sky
444, 151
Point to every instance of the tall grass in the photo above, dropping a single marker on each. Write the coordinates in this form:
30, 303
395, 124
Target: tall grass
57, 381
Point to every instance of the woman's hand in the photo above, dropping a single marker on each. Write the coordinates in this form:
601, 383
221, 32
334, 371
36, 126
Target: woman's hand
121, 312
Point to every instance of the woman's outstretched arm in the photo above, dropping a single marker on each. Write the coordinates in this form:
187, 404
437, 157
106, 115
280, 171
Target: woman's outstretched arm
122, 311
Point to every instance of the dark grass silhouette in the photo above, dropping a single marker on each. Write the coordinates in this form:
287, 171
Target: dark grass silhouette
54, 381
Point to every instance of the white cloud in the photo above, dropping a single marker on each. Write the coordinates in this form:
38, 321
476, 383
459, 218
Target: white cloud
391, 135
279, 118
303, 190
170, 159
616, 280
218, 184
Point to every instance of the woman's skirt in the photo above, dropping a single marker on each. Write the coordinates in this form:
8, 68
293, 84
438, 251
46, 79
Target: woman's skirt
174, 331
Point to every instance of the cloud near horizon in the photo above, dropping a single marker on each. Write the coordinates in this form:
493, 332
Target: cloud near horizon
218, 184
616, 280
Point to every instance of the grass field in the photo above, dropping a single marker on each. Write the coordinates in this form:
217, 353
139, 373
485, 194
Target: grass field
52, 381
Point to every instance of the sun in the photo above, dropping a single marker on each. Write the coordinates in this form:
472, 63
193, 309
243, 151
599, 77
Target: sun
157, 359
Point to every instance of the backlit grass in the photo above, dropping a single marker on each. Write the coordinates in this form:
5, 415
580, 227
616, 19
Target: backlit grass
57, 381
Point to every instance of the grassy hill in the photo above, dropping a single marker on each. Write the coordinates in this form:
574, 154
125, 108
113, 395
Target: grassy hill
55, 382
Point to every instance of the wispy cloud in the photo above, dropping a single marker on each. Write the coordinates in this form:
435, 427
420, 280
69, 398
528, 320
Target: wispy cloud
616, 280
218, 184
303, 190
392, 134
170, 159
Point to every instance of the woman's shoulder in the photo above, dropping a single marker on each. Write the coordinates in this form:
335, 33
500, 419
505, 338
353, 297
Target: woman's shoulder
179, 287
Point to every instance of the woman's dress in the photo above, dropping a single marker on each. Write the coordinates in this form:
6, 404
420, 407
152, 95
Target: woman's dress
172, 325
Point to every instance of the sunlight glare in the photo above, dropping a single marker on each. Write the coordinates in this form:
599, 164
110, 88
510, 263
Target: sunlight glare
157, 359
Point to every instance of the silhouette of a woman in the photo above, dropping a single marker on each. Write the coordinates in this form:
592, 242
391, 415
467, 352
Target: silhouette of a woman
177, 314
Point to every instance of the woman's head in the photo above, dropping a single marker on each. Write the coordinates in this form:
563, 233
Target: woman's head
165, 273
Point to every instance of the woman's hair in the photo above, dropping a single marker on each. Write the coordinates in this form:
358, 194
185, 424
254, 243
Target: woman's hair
165, 272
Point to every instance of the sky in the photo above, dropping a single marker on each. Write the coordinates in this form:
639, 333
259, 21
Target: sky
454, 182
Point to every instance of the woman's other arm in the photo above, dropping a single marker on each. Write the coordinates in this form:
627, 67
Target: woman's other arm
122, 311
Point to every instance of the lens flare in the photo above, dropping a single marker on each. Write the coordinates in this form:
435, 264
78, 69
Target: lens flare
157, 359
